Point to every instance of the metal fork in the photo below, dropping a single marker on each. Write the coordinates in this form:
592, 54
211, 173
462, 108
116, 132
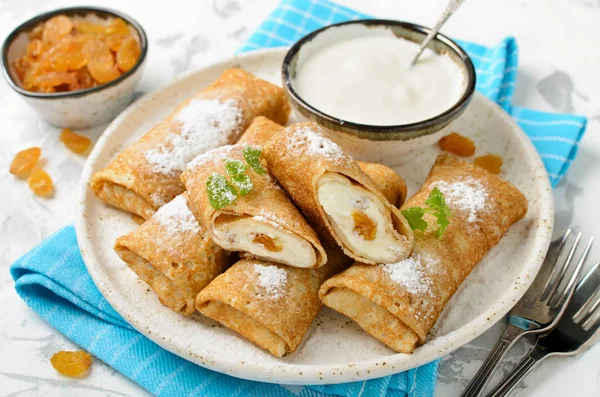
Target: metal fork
538, 310
578, 325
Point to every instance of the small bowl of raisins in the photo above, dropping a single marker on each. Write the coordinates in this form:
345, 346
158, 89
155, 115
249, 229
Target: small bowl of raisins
77, 67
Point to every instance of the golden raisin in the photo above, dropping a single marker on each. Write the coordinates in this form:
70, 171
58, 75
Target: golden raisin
89, 27
457, 144
55, 79
269, 243
36, 33
128, 54
96, 53
34, 48
24, 161
85, 79
40, 182
71, 364
364, 226
103, 69
491, 162
93, 47
117, 25
76, 143
56, 28
113, 41
69, 61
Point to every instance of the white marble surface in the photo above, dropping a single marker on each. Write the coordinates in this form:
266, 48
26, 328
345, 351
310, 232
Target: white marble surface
559, 71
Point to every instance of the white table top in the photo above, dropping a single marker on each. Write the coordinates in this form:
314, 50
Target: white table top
558, 46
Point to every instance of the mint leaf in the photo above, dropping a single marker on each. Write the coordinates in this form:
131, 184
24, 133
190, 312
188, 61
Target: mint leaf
243, 183
237, 173
436, 205
252, 157
414, 216
235, 167
220, 192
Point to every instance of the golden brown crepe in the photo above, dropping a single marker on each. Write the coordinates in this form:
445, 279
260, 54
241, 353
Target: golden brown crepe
390, 184
342, 202
399, 303
271, 305
173, 255
260, 130
146, 175
264, 223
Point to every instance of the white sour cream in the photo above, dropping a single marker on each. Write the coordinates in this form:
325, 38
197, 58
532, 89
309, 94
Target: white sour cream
340, 199
367, 80
238, 235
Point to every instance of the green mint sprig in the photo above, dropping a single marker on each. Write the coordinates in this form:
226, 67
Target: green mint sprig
252, 157
237, 174
436, 205
222, 192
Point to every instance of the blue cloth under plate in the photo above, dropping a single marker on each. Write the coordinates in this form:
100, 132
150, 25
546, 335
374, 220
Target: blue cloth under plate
54, 282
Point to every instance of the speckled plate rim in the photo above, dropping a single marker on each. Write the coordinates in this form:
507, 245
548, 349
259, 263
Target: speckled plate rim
286, 373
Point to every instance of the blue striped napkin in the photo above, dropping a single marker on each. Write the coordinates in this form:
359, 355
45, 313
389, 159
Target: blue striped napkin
54, 282
555, 136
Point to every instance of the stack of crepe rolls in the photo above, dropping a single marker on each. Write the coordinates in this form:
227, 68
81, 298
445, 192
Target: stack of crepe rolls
264, 223
146, 175
173, 255
399, 303
271, 305
341, 201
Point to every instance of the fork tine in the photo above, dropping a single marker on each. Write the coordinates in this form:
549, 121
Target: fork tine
556, 252
560, 298
556, 280
591, 316
577, 317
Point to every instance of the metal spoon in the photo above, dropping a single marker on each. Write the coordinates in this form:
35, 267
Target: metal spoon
452, 6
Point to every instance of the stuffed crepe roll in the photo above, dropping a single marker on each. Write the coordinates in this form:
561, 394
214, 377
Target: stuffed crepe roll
391, 185
146, 175
173, 255
399, 303
269, 304
264, 223
342, 202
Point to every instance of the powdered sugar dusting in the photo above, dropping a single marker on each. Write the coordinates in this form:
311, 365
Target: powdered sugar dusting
269, 220
468, 195
156, 199
315, 144
204, 125
210, 156
176, 217
409, 273
272, 279
221, 191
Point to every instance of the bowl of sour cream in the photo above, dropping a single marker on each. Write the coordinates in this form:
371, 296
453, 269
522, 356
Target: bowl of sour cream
355, 79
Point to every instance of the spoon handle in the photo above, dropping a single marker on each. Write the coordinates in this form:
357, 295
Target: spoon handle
450, 8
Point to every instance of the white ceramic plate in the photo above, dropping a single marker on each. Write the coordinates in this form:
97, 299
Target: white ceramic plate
335, 349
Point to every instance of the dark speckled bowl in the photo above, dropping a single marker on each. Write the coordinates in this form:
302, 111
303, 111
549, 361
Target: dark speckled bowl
375, 142
82, 108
